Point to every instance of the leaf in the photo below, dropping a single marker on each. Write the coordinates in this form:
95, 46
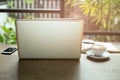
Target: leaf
92, 11
1, 38
104, 24
11, 20
11, 41
6, 30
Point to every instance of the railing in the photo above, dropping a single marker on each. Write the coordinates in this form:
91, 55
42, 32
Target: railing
38, 9
105, 33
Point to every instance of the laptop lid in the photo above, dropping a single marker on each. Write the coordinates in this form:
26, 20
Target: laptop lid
49, 39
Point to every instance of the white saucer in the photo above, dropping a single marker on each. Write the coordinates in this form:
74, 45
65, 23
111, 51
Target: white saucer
103, 56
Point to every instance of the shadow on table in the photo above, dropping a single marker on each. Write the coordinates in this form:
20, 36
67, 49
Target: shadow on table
98, 60
49, 69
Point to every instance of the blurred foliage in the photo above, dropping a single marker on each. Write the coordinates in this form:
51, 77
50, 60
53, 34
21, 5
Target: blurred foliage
9, 34
10, 4
105, 14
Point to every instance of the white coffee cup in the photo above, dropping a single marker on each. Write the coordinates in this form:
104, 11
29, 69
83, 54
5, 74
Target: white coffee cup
98, 50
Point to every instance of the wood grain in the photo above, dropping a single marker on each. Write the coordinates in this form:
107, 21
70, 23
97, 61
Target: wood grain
11, 68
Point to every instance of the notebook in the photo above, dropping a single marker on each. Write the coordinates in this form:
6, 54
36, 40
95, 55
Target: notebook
49, 38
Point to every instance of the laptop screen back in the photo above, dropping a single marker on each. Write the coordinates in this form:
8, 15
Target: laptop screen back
49, 39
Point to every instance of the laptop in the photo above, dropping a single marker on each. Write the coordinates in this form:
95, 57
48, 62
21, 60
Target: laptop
49, 38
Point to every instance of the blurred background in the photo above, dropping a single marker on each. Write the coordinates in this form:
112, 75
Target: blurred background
101, 17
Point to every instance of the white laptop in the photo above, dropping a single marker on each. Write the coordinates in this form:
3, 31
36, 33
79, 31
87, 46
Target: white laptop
49, 38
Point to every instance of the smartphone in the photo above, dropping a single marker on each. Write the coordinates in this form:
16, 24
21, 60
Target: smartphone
9, 50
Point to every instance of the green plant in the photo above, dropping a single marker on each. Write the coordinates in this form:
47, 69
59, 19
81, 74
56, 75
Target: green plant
105, 14
9, 34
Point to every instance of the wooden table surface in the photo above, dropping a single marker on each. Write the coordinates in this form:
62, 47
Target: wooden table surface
11, 68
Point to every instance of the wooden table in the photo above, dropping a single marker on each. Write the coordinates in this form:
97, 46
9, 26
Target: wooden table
11, 68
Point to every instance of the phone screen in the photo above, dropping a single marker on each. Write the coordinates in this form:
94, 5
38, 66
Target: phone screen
9, 50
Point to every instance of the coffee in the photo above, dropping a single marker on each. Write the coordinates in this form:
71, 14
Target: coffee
98, 50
